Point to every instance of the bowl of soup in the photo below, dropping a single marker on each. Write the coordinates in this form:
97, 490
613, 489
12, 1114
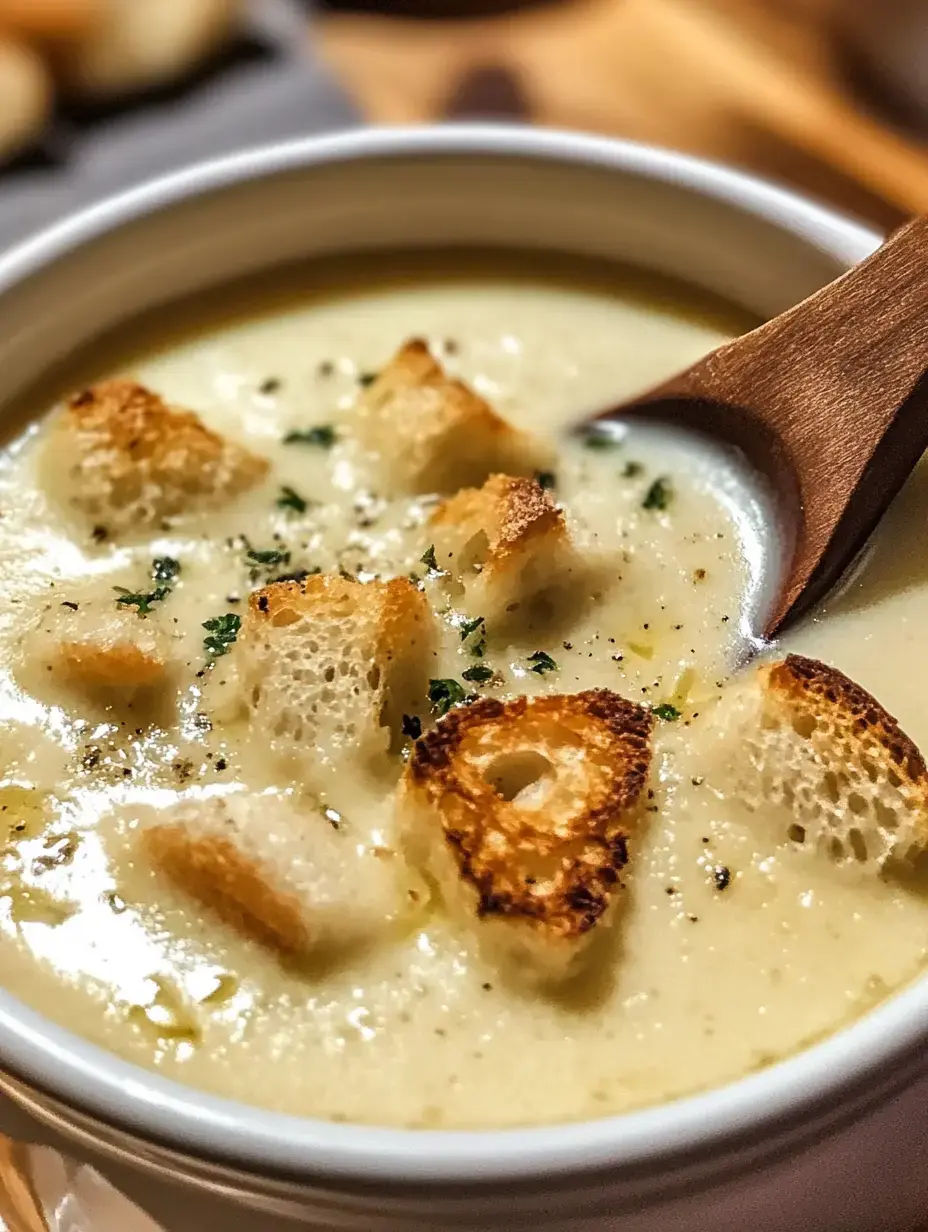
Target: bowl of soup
401, 824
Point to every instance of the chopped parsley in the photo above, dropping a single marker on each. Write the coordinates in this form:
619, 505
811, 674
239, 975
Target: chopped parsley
140, 600
297, 575
478, 674
165, 569
322, 435
542, 662
428, 559
270, 386
412, 726
443, 694
470, 626
546, 480
667, 712
268, 556
366, 378
631, 469
601, 438
289, 499
223, 630
659, 495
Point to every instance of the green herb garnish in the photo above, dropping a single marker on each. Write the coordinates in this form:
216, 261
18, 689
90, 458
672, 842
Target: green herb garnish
478, 674
542, 662
412, 726
289, 499
140, 600
223, 630
443, 694
667, 712
659, 495
428, 559
322, 435
268, 556
470, 626
165, 569
366, 378
632, 469
598, 438
546, 479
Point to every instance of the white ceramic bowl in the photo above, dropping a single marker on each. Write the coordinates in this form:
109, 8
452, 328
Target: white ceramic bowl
827, 1139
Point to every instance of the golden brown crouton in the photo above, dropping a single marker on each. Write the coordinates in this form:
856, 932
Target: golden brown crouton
132, 460
100, 648
522, 811
283, 877
428, 433
821, 759
329, 666
504, 544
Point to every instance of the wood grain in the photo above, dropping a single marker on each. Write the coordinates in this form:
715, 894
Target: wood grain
830, 399
759, 85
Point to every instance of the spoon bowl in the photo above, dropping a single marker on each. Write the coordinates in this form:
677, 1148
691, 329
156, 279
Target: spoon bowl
828, 401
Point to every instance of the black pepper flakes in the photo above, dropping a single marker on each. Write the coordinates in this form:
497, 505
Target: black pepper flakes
722, 876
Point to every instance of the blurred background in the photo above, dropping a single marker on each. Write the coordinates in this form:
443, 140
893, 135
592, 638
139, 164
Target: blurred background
828, 95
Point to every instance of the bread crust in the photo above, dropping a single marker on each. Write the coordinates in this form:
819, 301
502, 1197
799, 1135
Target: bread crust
211, 869
809, 686
434, 433
555, 868
134, 459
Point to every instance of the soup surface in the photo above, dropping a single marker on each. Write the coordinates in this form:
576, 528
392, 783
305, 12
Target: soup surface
734, 947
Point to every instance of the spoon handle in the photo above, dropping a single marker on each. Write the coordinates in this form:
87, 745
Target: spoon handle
830, 399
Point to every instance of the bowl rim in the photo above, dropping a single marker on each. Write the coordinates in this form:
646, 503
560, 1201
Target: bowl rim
119, 1093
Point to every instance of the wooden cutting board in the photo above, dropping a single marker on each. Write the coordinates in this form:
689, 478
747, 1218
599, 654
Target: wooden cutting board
758, 85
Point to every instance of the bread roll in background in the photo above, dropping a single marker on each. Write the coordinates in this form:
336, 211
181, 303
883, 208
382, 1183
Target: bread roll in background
138, 45
25, 97
50, 19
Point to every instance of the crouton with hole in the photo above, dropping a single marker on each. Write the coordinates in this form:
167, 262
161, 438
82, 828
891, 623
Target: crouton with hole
426, 432
522, 812
825, 764
328, 667
285, 877
131, 460
503, 545
103, 650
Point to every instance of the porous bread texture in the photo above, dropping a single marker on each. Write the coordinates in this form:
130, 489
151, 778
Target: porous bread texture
522, 811
503, 544
131, 460
328, 667
426, 432
281, 876
100, 649
822, 755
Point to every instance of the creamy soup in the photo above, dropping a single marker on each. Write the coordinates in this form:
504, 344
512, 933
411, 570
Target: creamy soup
734, 947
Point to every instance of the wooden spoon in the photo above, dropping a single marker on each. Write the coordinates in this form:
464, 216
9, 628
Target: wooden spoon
828, 400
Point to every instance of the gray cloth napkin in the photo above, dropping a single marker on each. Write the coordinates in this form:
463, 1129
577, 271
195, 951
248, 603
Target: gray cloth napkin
272, 86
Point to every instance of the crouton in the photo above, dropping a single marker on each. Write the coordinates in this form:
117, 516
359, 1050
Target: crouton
132, 460
102, 650
428, 433
284, 878
821, 759
502, 545
522, 811
329, 666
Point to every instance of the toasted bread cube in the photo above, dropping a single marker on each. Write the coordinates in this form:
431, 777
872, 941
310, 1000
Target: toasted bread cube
521, 811
823, 761
279, 876
329, 666
503, 544
102, 650
132, 460
427, 432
